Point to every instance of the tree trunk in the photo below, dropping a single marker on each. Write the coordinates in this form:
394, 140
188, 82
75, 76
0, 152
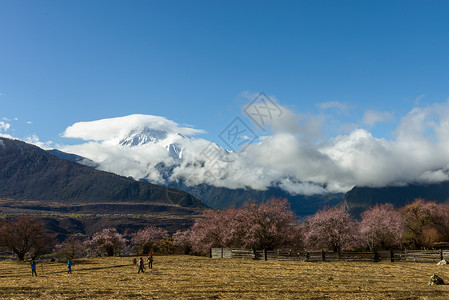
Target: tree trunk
21, 256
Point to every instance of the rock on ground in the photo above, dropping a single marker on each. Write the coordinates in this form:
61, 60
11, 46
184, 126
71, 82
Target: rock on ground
435, 280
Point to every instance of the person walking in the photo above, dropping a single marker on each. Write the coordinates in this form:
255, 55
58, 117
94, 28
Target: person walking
33, 268
69, 266
150, 261
141, 266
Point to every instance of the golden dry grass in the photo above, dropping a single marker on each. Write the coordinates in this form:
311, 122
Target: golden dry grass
187, 277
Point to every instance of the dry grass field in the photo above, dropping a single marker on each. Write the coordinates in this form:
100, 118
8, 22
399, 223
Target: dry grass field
187, 277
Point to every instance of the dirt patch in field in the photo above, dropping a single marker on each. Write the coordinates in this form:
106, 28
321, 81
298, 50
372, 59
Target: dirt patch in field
187, 277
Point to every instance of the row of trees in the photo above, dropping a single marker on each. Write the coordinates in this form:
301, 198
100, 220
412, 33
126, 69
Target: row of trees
268, 225
26, 236
273, 225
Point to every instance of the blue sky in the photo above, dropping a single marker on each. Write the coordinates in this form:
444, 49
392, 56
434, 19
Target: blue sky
200, 62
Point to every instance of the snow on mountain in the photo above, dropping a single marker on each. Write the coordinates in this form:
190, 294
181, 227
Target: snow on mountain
139, 145
160, 151
144, 136
172, 142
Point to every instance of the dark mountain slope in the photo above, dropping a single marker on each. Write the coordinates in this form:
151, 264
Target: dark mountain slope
73, 157
360, 198
220, 197
28, 172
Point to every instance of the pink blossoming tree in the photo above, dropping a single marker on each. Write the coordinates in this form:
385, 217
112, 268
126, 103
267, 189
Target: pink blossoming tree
331, 229
108, 241
218, 229
382, 227
258, 226
181, 240
270, 225
145, 240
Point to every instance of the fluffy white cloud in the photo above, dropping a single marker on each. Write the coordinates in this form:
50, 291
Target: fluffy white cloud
112, 130
291, 157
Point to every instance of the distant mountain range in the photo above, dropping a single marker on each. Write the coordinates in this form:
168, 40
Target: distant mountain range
181, 151
360, 198
221, 197
175, 152
30, 173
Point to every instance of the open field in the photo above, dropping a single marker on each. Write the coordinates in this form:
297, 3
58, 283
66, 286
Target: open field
188, 277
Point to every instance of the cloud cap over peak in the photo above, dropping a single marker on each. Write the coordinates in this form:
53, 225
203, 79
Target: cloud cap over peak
112, 130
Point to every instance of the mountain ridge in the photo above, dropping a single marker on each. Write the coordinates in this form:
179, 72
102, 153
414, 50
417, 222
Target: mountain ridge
360, 198
28, 172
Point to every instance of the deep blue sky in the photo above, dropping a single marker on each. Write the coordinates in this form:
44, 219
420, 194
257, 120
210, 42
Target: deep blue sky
193, 61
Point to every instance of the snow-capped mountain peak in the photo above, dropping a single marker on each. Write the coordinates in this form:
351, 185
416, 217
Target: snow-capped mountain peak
171, 141
144, 136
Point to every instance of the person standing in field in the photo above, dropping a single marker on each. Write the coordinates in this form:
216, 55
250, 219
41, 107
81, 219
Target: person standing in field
150, 261
141, 266
69, 267
33, 268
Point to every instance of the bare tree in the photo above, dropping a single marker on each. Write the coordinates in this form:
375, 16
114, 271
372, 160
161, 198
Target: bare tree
25, 235
70, 248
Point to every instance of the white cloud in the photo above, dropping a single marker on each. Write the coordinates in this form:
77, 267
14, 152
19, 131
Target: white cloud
112, 130
372, 117
34, 139
4, 126
7, 136
291, 157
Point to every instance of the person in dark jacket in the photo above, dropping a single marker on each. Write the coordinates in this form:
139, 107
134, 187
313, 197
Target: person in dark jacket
33, 268
150, 261
69, 266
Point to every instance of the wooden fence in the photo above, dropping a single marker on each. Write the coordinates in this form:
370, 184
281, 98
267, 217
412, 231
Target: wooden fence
431, 256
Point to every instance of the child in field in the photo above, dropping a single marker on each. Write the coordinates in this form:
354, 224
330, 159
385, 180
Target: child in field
33, 268
141, 266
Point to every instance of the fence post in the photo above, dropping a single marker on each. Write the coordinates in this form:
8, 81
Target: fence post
441, 254
391, 255
265, 254
376, 256
221, 252
323, 255
210, 253
307, 256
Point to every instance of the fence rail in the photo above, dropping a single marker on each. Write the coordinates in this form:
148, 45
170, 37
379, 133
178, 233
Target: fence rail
429, 256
